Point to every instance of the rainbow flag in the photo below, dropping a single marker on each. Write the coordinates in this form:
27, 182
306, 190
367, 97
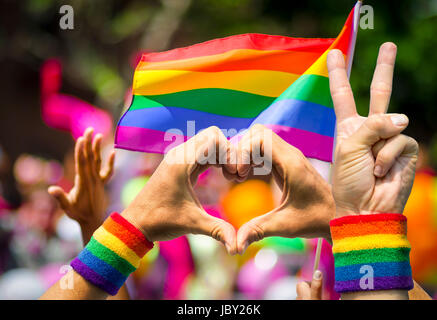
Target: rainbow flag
234, 83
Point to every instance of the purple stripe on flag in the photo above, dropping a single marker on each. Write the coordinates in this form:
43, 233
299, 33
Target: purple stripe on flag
311, 144
96, 279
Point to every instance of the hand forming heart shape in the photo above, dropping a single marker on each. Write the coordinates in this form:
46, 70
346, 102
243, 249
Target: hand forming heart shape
167, 207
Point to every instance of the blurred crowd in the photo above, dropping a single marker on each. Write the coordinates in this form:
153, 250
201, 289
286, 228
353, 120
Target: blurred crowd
38, 239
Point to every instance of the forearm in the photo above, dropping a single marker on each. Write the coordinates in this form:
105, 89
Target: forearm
376, 295
73, 287
417, 293
102, 268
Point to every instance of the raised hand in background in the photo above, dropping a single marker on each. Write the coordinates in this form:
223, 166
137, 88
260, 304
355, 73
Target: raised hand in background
87, 201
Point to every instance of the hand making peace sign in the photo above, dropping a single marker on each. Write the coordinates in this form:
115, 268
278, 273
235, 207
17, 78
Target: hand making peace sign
374, 164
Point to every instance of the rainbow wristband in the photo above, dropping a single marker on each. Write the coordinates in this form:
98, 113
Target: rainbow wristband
113, 253
371, 252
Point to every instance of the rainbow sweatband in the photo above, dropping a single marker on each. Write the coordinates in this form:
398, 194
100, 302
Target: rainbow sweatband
371, 252
113, 253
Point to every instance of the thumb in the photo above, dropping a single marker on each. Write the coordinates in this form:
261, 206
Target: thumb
256, 229
61, 196
316, 285
379, 126
218, 229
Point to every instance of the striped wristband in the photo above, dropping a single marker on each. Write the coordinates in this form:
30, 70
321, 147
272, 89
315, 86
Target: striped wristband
371, 252
113, 253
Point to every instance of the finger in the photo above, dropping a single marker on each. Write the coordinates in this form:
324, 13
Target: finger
109, 169
228, 176
382, 82
316, 285
244, 155
377, 147
212, 148
254, 150
88, 135
79, 158
257, 229
217, 229
97, 142
303, 291
90, 170
377, 127
60, 196
392, 149
341, 92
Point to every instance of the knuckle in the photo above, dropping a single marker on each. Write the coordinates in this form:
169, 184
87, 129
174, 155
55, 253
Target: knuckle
342, 90
383, 158
214, 130
376, 121
381, 87
413, 143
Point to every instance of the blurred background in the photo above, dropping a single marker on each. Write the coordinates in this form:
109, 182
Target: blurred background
46, 72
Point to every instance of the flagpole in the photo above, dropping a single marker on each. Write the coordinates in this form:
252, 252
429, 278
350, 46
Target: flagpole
350, 58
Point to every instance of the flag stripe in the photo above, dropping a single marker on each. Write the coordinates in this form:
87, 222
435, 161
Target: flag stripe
147, 140
230, 103
311, 88
294, 113
261, 82
233, 83
217, 101
240, 59
243, 41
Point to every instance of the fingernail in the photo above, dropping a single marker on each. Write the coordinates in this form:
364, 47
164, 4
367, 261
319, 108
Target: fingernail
317, 275
399, 120
377, 171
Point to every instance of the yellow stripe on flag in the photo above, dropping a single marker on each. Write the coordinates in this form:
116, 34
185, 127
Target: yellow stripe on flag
261, 82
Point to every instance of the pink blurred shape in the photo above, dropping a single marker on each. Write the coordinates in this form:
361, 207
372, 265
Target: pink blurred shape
66, 112
253, 281
177, 253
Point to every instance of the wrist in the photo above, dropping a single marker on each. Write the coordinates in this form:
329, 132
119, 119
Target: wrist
376, 295
371, 253
113, 253
137, 219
